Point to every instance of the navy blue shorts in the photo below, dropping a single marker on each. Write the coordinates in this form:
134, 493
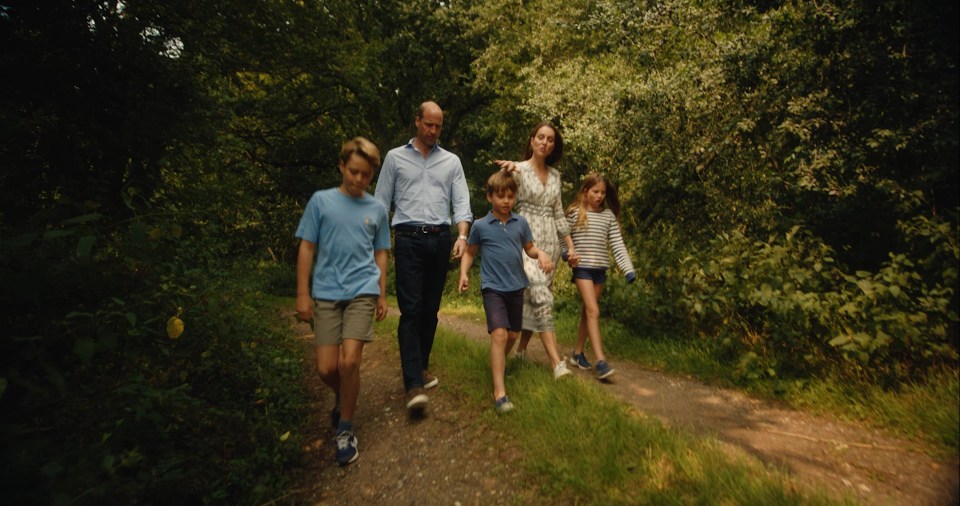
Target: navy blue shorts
598, 276
504, 309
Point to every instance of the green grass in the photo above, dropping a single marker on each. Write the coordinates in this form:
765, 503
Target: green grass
609, 454
927, 412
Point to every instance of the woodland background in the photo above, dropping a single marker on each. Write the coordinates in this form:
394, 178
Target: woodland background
788, 178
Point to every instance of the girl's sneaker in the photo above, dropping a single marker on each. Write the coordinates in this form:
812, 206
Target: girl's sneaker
604, 370
522, 355
561, 370
580, 361
503, 405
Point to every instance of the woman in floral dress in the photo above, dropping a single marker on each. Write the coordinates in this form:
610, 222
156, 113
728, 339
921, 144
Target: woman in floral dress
538, 200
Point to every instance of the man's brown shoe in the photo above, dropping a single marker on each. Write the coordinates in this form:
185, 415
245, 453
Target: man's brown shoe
416, 399
429, 380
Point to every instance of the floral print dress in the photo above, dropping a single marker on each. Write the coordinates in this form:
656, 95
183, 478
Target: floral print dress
540, 204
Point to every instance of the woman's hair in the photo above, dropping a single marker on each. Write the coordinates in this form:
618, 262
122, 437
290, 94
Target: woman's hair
579, 204
554, 156
500, 181
363, 148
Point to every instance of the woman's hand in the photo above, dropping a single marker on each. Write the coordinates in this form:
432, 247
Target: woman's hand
507, 166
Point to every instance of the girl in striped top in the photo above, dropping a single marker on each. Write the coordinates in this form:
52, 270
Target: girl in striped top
595, 230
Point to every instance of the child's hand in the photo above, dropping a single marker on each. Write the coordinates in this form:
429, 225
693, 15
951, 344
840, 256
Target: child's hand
546, 265
381, 308
304, 308
464, 283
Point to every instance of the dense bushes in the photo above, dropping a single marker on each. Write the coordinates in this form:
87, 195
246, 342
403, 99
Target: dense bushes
100, 404
789, 170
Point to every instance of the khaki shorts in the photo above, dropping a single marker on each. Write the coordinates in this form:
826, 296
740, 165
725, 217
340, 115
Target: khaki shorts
334, 321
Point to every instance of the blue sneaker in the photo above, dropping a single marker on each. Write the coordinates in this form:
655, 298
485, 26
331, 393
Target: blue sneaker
580, 361
346, 448
503, 405
604, 371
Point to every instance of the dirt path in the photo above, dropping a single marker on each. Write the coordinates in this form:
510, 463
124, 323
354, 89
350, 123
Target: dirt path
445, 458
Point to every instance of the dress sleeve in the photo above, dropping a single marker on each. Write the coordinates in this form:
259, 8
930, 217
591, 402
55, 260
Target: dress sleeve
563, 229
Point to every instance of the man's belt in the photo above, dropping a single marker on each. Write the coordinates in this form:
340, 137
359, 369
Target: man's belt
422, 229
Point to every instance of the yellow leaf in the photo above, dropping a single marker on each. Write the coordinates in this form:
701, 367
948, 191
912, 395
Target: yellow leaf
285, 436
174, 327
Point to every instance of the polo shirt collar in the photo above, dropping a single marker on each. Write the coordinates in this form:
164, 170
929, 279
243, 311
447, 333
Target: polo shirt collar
493, 219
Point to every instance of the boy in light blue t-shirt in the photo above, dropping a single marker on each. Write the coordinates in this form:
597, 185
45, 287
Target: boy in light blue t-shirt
346, 230
503, 236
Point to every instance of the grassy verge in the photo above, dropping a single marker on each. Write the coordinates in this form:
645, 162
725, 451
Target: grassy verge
583, 447
927, 412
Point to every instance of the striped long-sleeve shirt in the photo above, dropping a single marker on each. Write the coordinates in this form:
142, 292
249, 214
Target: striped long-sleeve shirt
591, 241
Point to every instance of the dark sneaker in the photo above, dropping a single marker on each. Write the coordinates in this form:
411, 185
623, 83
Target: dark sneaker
580, 361
416, 399
346, 448
503, 405
604, 371
429, 380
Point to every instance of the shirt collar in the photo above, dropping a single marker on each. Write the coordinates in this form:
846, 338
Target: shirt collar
493, 219
411, 146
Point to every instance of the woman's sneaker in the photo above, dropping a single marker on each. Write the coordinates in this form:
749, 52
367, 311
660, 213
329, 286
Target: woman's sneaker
580, 361
604, 371
561, 370
503, 405
346, 448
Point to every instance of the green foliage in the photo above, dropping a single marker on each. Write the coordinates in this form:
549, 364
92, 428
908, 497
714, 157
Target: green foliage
728, 124
100, 404
788, 173
784, 306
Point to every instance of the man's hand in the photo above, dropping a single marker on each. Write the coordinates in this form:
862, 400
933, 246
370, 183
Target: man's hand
458, 248
464, 283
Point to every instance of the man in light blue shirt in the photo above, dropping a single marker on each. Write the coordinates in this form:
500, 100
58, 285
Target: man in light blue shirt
423, 181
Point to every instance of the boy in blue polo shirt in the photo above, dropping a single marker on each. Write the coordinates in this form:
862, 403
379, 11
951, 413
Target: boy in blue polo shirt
345, 229
504, 236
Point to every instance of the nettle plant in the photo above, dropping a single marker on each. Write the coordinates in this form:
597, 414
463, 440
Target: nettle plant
785, 306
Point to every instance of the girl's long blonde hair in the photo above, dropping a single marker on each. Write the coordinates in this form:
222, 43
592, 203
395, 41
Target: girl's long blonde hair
610, 200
